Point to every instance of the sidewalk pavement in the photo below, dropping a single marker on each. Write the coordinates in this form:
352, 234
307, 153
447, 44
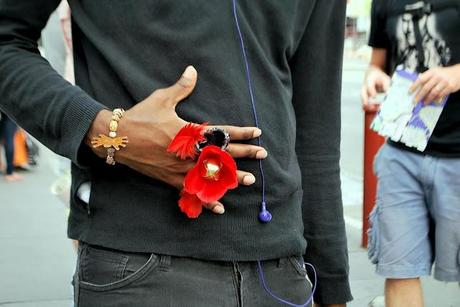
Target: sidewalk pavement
36, 258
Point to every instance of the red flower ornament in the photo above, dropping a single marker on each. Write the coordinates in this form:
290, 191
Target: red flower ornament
190, 205
215, 171
185, 140
212, 176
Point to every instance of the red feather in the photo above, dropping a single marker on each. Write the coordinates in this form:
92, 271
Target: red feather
183, 144
190, 205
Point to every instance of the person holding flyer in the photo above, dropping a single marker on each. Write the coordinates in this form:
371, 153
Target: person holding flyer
416, 221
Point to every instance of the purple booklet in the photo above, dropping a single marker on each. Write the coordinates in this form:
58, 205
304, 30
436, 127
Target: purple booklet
403, 120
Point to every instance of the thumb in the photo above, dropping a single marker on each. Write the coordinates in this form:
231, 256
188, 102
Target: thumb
183, 87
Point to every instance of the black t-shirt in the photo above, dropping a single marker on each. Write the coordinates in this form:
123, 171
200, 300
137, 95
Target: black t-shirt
439, 35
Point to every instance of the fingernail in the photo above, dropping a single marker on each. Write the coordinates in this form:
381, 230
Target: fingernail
249, 179
257, 133
189, 72
261, 154
218, 210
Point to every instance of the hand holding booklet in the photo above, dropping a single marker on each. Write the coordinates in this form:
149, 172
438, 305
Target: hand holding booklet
403, 120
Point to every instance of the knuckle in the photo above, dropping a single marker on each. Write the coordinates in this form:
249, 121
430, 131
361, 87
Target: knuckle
248, 134
159, 92
182, 83
185, 82
245, 133
160, 95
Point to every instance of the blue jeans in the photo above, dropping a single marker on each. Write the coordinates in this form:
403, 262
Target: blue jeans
107, 277
416, 220
7, 130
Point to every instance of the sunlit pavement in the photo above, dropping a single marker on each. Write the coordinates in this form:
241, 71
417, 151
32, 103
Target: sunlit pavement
36, 258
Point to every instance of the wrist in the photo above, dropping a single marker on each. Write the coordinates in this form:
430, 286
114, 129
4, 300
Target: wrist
373, 67
373, 70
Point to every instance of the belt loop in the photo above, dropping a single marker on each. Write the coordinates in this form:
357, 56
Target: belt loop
165, 263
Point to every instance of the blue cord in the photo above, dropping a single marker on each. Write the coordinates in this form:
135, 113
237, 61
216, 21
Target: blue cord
264, 285
251, 93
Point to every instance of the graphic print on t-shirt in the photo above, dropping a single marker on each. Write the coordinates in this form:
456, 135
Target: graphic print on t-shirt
419, 47
438, 24
435, 50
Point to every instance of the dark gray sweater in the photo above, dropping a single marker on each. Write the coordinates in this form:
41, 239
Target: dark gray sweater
126, 49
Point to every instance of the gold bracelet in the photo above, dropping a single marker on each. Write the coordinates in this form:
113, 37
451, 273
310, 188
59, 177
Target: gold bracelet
111, 142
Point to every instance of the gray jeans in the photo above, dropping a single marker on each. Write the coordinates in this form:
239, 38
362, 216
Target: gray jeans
113, 278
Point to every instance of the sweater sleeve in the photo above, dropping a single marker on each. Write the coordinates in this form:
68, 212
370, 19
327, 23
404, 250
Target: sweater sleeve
316, 72
32, 93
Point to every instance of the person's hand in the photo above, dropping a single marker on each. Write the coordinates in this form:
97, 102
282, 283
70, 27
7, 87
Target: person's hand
436, 83
152, 124
375, 81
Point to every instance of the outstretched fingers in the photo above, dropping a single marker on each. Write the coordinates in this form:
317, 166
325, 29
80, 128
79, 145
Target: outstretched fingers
244, 178
239, 151
216, 207
240, 133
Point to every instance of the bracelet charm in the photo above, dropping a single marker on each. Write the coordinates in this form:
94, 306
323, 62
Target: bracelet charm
111, 142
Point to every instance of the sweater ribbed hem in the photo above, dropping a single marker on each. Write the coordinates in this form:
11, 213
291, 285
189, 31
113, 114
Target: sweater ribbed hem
160, 227
78, 117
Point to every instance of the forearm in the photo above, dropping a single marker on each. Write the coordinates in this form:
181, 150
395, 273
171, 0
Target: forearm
378, 61
38, 99
33, 94
378, 58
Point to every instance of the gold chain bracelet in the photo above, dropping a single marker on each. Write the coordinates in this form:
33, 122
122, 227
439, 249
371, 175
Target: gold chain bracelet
113, 143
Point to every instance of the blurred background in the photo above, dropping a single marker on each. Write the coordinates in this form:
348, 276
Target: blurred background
36, 258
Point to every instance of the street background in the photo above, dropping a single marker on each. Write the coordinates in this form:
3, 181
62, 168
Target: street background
37, 260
